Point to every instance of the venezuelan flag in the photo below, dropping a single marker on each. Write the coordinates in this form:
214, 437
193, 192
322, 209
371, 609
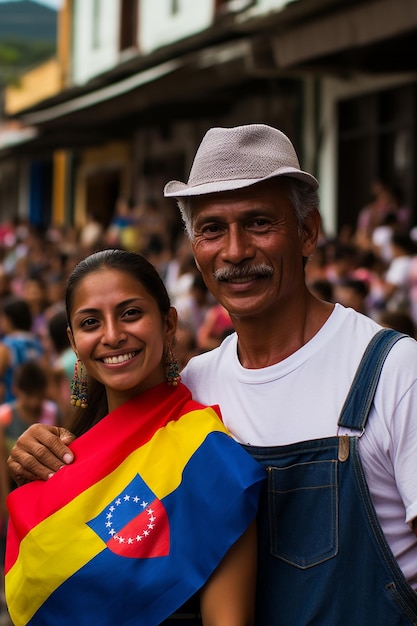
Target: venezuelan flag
135, 526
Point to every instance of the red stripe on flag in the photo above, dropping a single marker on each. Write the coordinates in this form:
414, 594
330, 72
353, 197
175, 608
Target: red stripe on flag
99, 451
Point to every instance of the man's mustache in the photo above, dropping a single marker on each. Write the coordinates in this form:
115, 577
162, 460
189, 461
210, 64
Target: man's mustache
247, 271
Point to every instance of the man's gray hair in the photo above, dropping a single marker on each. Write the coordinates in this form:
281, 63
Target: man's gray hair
303, 198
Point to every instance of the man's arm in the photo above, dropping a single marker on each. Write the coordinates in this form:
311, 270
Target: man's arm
39, 453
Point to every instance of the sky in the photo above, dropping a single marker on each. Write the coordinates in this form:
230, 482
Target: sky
54, 4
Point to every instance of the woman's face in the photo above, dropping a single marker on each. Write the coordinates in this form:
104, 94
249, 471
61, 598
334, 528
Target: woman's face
119, 334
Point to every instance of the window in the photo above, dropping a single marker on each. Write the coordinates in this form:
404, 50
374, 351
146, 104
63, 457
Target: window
377, 140
175, 7
128, 24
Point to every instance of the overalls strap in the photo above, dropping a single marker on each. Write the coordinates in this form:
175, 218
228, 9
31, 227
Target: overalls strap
359, 400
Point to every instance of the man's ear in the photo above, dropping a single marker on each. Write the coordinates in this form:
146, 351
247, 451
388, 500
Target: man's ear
311, 232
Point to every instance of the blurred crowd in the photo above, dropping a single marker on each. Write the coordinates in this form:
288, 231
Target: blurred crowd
371, 268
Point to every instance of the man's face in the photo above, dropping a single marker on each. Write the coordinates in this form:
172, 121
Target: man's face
248, 247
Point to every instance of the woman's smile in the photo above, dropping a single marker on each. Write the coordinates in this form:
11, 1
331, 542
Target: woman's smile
118, 359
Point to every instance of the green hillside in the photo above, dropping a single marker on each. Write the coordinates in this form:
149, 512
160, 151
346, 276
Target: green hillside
27, 37
27, 21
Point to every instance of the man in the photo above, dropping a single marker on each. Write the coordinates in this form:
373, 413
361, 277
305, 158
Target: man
336, 538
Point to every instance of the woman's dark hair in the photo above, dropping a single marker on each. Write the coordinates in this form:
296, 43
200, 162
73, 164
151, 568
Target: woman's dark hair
145, 273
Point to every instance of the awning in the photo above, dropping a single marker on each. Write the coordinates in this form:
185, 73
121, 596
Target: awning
345, 30
177, 87
11, 138
106, 93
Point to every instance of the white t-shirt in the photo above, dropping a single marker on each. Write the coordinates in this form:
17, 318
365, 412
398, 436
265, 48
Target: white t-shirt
301, 398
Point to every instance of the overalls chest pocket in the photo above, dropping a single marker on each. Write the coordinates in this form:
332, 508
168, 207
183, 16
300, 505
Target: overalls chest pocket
303, 512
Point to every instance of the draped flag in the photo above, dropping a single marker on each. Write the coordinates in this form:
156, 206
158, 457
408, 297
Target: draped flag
157, 495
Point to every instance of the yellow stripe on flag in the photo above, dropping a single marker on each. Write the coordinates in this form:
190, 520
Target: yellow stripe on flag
62, 544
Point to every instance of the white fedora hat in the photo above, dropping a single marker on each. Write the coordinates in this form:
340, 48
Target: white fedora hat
234, 158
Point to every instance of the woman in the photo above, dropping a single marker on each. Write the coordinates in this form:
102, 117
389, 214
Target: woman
161, 502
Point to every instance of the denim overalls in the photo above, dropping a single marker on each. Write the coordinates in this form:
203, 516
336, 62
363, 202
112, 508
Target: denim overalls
323, 558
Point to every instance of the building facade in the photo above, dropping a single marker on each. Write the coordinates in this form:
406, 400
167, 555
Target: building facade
144, 80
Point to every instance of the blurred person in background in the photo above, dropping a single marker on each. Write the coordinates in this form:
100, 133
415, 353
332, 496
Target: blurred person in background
193, 305
91, 234
185, 343
55, 295
152, 221
215, 327
397, 277
412, 287
342, 261
398, 320
35, 293
5, 287
121, 231
18, 344
317, 265
353, 293
385, 200
322, 289
382, 236
158, 253
180, 270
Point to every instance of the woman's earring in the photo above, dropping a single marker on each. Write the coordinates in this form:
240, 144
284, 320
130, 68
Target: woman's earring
172, 368
79, 385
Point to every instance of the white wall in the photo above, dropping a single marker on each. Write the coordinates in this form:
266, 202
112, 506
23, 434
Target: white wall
159, 27
89, 61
